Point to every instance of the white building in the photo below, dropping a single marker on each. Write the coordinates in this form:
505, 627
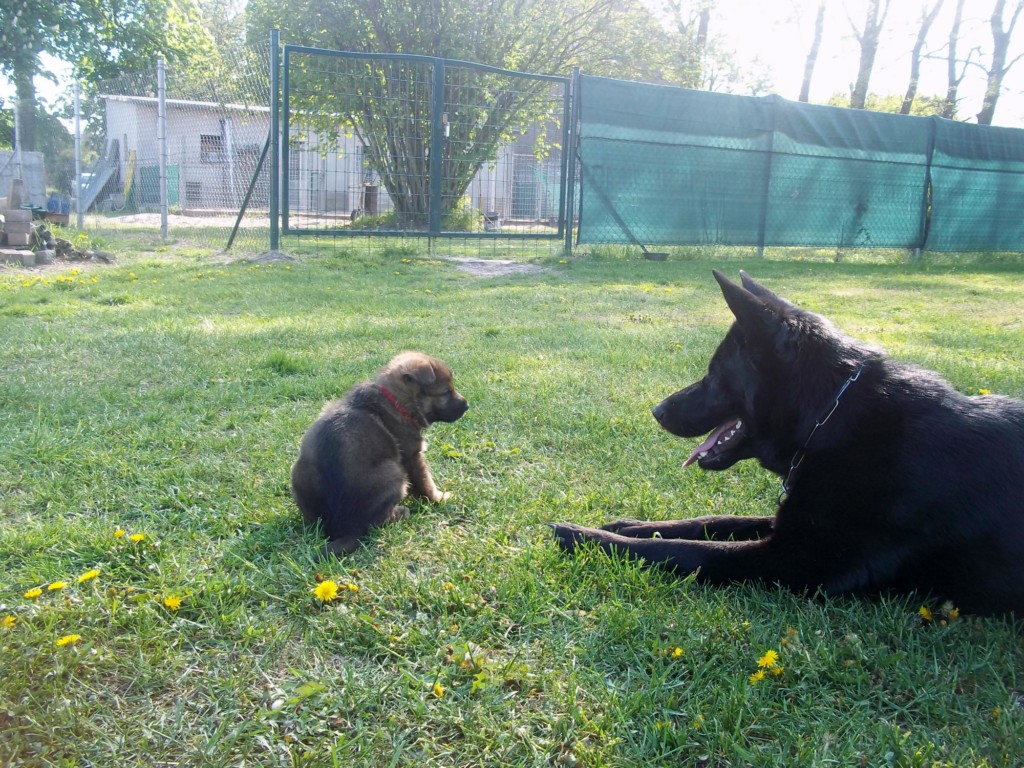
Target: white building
213, 150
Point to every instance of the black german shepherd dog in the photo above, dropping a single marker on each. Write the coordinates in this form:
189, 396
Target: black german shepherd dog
892, 480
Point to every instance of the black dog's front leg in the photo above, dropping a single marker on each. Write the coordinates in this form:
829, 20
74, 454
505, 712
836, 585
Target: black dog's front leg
715, 562
713, 527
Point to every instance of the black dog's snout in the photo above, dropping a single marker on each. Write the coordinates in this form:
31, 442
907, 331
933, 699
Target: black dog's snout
658, 411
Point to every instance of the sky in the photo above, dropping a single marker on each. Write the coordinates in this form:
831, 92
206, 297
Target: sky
777, 35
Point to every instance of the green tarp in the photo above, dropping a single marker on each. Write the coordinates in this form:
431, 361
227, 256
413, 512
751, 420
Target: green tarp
671, 166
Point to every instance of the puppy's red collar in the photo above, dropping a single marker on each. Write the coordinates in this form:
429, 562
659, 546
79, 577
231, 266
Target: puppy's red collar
415, 421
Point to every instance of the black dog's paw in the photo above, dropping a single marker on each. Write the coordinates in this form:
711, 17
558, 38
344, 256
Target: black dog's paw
569, 535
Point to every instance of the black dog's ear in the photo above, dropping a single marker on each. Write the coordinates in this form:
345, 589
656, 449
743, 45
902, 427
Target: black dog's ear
763, 293
751, 312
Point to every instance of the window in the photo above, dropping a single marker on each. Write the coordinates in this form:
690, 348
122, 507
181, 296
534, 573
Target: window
211, 148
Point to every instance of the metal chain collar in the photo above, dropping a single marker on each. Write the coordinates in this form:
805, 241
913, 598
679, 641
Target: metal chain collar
798, 457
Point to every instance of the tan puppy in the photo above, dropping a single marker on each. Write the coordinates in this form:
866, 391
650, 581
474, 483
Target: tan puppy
364, 453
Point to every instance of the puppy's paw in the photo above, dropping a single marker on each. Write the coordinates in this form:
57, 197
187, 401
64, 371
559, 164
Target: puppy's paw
345, 545
396, 514
442, 497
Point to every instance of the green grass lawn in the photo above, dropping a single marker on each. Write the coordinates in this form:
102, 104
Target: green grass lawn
150, 413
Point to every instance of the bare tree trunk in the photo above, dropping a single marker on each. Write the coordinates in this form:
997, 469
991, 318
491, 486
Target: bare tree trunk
868, 39
999, 67
927, 17
694, 33
952, 78
812, 56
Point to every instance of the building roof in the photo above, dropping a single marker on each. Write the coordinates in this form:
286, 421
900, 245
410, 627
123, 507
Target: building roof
211, 105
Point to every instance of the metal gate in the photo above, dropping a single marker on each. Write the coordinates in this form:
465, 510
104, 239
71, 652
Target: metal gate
405, 145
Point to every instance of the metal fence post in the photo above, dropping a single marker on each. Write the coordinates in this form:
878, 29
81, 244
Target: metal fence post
436, 148
275, 141
762, 223
79, 216
569, 159
161, 140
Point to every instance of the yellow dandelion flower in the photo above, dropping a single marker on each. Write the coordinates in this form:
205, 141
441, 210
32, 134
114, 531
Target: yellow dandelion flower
984, 391
353, 587
326, 591
925, 613
757, 677
138, 537
55, 586
954, 613
8, 621
88, 575
438, 690
778, 670
677, 652
769, 660
119, 533
171, 602
32, 594
69, 640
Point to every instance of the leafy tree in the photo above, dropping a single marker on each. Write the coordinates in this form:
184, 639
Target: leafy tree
388, 104
6, 127
923, 106
99, 38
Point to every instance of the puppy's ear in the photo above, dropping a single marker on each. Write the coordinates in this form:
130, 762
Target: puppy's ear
422, 374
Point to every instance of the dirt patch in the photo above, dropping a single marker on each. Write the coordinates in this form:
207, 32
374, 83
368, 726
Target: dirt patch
496, 267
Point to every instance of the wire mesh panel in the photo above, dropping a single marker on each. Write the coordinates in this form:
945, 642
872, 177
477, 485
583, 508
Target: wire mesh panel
215, 133
977, 188
393, 144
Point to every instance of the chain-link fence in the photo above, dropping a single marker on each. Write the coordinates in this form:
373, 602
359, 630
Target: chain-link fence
672, 166
212, 133
203, 134
421, 146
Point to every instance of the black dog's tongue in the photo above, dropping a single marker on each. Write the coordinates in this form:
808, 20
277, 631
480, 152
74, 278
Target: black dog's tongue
722, 434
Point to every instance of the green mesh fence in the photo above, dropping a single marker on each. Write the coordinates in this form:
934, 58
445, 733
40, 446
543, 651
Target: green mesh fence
977, 188
671, 166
